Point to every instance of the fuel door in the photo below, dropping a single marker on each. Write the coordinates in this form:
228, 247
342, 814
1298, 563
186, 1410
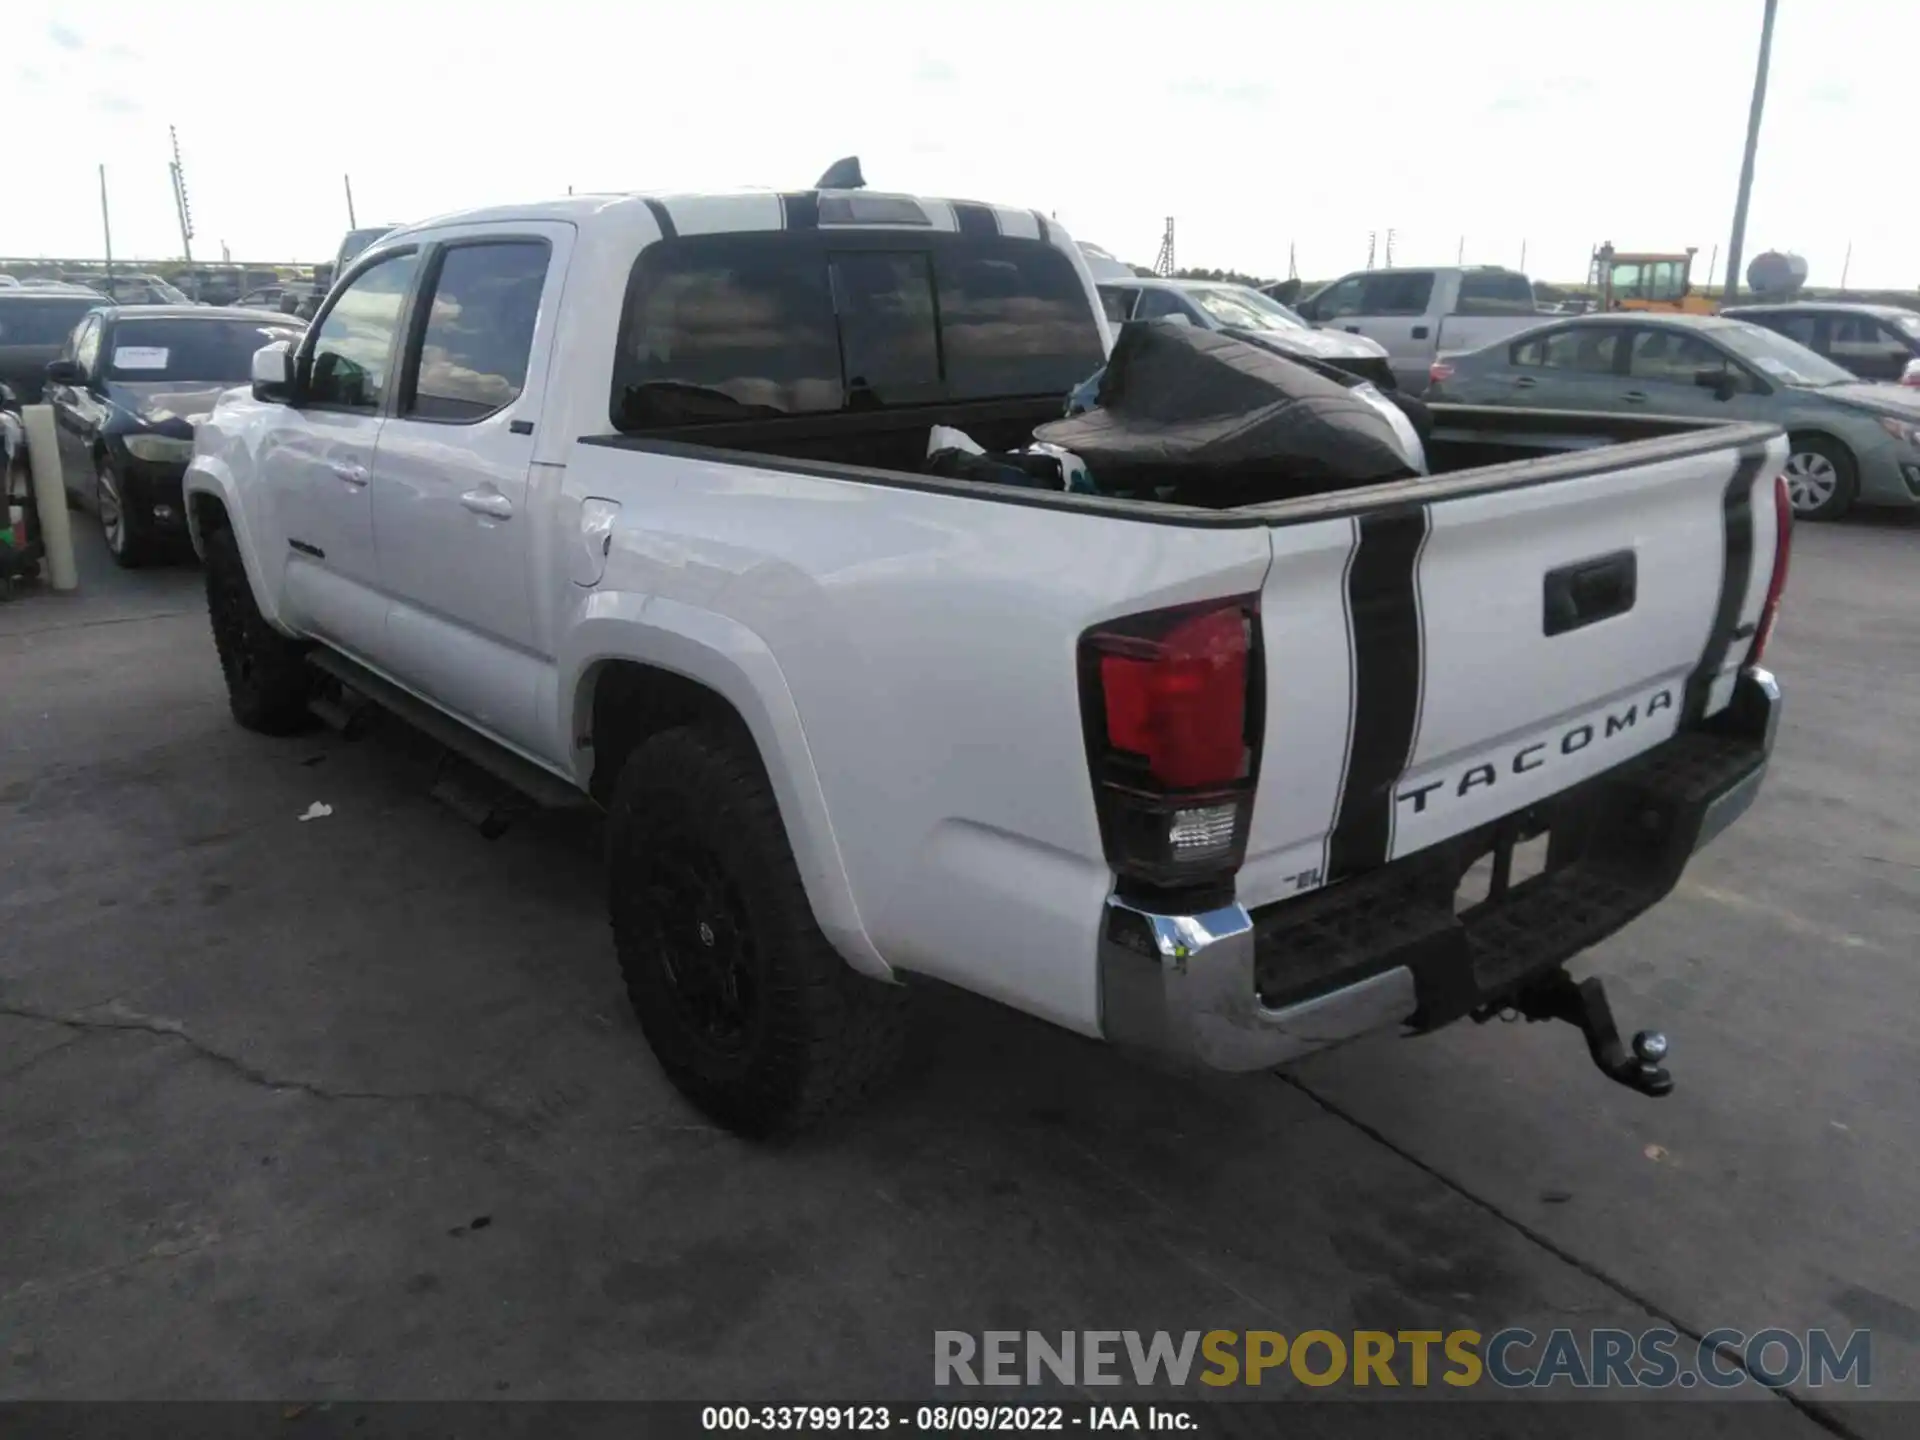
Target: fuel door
595, 540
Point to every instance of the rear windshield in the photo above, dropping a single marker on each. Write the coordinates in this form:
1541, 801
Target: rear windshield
731, 327
44, 320
214, 351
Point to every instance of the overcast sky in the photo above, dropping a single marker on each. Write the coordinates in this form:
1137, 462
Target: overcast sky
1258, 125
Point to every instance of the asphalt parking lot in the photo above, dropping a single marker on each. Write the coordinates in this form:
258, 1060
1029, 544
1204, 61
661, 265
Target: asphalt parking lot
354, 1106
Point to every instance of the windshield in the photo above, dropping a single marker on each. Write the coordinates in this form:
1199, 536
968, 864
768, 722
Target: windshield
1779, 358
1908, 323
1244, 309
44, 320
207, 351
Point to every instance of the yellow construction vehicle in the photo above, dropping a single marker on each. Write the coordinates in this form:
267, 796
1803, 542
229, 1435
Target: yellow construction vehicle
1646, 281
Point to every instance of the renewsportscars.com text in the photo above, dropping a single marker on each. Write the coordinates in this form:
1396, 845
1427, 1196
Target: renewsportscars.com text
1511, 1358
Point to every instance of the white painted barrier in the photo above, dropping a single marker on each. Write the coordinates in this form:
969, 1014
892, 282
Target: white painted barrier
50, 496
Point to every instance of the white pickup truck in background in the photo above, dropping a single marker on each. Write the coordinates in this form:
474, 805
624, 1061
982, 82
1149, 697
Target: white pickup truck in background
622, 500
1421, 314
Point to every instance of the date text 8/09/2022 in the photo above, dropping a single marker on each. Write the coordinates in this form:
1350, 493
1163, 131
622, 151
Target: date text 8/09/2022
942, 1419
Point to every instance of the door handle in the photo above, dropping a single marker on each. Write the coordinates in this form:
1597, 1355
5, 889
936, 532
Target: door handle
1524, 382
348, 471
488, 502
1420, 332
1351, 329
1636, 397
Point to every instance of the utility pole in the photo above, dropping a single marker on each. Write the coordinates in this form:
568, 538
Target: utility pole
1390, 234
1713, 266
1523, 257
180, 204
1293, 270
353, 224
1372, 236
1737, 243
106, 227
1163, 263
1461, 258
1846, 265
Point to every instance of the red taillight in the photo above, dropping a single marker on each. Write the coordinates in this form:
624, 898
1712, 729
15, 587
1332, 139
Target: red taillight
1439, 370
1171, 700
1782, 549
1180, 702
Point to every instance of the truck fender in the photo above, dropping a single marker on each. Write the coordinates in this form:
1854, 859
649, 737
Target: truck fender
210, 475
732, 661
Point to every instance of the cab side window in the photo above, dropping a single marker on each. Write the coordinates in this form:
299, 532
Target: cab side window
1344, 297
347, 368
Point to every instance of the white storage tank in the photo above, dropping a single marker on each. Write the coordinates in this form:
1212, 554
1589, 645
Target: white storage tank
1776, 273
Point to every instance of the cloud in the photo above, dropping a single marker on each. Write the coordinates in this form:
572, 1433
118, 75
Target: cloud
932, 70
1197, 88
108, 104
31, 76
63, 37
118, 51
1831, 92
1512, 103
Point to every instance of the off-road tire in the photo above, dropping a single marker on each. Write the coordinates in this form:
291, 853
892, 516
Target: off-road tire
268, 679
821, 1033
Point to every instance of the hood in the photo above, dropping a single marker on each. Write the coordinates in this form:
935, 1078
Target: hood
1875, 398
1325, 344
168, 404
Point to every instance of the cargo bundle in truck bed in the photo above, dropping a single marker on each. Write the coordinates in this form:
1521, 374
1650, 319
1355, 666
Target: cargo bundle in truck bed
654, 531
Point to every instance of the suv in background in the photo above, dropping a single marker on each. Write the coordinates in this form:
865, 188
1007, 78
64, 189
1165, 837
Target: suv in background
1875, 342
35, 321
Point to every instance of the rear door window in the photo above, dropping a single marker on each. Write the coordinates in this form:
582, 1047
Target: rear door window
479, 331
1398, 292
1672, 357
1587, 349
1494, 292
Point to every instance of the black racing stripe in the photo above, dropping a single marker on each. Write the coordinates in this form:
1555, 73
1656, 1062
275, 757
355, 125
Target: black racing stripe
663, 219
1046, 231
1736, 573
975, 219
801, 209
1384, 606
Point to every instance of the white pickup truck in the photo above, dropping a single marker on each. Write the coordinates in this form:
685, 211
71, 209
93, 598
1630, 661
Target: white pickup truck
622, 499
1422, 314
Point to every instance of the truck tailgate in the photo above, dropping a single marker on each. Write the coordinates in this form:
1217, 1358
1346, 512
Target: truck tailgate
1475, 644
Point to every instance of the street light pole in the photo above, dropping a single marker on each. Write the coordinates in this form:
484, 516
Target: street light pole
1734, 246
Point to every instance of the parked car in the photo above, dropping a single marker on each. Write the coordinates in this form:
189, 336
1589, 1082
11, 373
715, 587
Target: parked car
285, 296
132, 289
35, 321
1241, 310
125, 392
1852, 441
1419, 315
1874, 342
656, 532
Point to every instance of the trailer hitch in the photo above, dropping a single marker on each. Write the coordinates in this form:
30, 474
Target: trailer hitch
1583, 1004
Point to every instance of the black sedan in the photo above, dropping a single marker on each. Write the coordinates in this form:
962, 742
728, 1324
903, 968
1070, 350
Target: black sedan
124, 395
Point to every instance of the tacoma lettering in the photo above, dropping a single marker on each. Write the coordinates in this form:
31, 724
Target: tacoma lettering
1532, 756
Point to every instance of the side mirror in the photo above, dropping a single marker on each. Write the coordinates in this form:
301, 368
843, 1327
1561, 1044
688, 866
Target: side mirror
273, 373
65, 372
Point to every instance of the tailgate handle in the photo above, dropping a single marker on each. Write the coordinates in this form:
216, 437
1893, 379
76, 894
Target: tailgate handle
1589, 591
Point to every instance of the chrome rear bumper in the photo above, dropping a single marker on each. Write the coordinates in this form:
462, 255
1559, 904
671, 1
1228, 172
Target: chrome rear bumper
1187, 987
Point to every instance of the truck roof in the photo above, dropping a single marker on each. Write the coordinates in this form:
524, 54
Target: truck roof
749, 210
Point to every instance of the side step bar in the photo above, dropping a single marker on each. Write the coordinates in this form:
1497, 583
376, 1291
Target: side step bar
545, 789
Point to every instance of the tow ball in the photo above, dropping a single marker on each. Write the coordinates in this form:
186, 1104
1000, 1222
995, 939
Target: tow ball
1583, 1004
